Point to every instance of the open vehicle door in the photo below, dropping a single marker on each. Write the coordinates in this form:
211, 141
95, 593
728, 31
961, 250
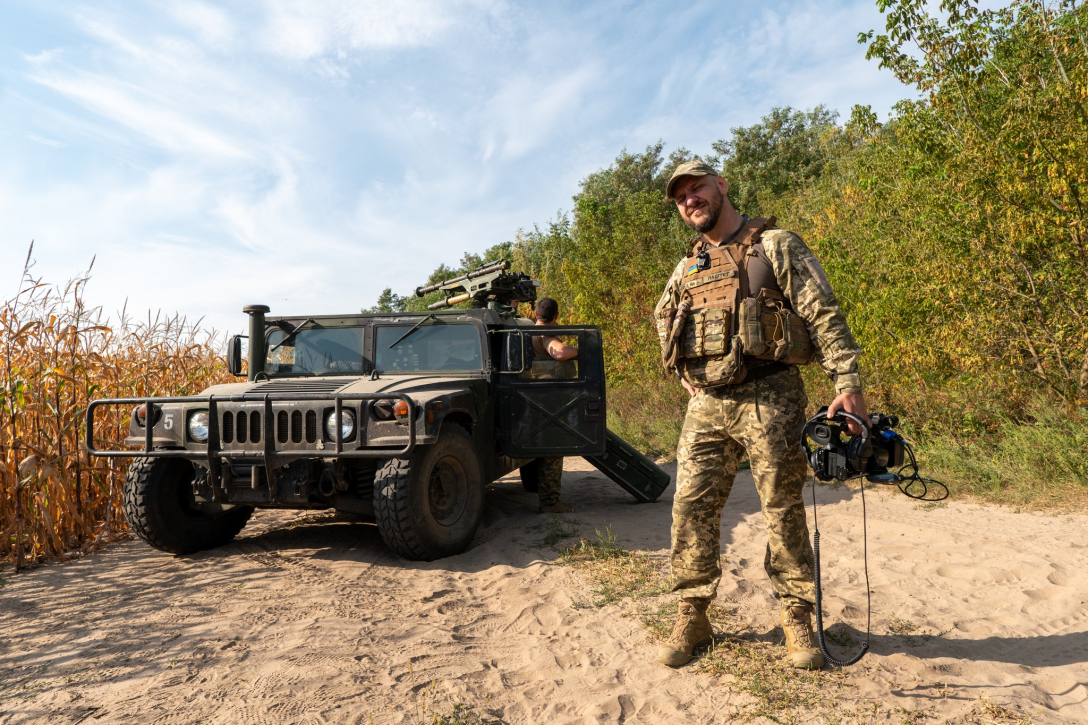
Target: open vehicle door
551, 407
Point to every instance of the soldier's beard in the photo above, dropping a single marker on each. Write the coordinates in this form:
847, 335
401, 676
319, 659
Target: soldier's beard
713, 213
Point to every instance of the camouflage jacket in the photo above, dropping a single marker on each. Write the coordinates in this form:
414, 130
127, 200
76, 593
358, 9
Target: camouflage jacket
804, 283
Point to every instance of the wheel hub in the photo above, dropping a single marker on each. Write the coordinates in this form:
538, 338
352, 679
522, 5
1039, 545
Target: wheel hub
447, 491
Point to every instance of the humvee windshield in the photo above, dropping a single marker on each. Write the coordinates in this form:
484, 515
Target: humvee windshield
316, 351
430, 348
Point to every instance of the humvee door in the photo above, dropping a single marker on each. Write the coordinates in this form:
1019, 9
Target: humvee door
549, 407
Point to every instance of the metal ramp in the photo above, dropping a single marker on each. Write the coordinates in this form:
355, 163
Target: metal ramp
632, 471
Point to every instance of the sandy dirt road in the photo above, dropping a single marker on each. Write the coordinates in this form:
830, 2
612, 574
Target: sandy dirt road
979, 615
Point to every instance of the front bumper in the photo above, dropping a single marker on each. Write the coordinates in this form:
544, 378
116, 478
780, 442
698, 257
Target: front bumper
275, 446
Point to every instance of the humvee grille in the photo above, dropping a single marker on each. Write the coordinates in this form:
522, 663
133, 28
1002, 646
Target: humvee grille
282, 431
296, 426
228, 427
311, 426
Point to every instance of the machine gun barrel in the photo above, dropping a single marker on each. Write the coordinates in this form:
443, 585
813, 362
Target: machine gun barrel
487, 269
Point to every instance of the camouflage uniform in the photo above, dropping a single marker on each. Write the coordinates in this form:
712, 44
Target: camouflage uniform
551, 479
765, 417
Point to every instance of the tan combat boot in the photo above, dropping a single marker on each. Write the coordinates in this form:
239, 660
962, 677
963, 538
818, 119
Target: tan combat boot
800, 642
691, 630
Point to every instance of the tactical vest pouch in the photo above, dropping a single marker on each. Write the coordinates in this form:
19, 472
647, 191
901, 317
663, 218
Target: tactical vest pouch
705, 333
750, 327
791, 342
664, 324
712, 372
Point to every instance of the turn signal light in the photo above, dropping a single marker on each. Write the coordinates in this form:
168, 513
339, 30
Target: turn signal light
400, 409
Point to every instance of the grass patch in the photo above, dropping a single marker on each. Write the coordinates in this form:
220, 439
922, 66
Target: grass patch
909, 632
758, 666
555, 530
1036, 464
649, 415
996, 714
615, 572
456, 713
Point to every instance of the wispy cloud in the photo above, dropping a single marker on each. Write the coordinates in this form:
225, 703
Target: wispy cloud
525, 111
302, 29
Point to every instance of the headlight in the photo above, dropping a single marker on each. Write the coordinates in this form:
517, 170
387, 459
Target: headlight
198, 426
347, 425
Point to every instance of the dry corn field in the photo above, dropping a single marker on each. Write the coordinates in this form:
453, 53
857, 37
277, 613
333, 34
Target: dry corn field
59, 354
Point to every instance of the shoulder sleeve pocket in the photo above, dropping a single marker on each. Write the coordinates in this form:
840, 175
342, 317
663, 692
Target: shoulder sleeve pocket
809, 266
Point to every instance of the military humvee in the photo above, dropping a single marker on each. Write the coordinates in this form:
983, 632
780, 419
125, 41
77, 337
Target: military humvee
401, 417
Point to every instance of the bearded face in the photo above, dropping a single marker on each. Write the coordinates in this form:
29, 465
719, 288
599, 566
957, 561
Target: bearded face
700, 203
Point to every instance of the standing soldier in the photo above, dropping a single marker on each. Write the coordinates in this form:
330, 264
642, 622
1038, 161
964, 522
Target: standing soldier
552, 359
747, 306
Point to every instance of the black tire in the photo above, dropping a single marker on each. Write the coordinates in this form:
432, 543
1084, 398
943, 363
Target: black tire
530, 476
429, 505
159, 507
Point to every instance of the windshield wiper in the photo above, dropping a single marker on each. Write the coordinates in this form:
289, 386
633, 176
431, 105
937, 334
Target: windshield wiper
416, 327
291, 334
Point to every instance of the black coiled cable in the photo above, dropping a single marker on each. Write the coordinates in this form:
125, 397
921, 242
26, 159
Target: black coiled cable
820, 640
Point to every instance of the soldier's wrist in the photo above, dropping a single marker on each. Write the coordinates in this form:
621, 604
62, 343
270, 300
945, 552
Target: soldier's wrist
848, 383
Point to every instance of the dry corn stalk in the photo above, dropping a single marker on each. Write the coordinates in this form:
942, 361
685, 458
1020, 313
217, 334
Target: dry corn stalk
58, 355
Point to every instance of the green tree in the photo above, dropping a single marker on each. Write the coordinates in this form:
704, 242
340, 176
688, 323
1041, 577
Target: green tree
779, 155
389, 301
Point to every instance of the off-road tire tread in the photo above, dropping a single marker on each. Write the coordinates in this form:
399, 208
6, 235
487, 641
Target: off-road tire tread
392, 512
137, 507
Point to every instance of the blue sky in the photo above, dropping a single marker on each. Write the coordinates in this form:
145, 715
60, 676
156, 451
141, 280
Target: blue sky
306, 154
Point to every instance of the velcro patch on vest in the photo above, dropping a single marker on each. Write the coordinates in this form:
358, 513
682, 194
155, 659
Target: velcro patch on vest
712, 277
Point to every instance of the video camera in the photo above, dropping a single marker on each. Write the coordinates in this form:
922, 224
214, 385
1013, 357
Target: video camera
868, 454
871, 453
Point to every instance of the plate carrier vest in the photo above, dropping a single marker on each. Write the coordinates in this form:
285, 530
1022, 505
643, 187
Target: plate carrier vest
721, 329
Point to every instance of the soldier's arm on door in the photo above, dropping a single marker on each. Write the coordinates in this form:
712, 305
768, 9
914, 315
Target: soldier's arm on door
558, 350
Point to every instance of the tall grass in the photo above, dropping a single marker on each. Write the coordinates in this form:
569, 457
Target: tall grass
1036, 461
59, 354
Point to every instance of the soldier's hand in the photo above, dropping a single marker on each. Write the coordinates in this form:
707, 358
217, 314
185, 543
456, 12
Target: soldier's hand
850, 403
687, 387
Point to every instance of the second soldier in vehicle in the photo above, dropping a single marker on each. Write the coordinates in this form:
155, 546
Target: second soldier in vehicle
747, 305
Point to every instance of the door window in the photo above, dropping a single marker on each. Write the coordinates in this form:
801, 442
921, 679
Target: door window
553, 357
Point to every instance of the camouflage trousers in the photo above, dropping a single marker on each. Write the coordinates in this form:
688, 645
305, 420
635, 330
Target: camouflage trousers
765, 418
551, 480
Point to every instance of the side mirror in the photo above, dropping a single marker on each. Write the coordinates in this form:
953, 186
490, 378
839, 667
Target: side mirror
517, 352
234, 355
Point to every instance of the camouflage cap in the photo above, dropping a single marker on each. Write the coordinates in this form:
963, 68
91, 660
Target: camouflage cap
689, 168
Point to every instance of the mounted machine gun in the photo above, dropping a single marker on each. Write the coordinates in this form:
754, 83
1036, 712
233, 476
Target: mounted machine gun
489, 286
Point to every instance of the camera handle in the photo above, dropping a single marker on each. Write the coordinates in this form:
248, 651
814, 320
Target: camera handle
839, 417
820, 638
